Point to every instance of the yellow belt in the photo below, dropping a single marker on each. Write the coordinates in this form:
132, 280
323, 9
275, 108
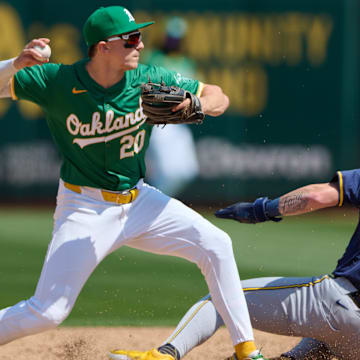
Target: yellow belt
117, 198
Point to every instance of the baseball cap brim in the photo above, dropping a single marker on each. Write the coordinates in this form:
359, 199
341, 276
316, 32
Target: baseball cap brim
142, 25
131, 27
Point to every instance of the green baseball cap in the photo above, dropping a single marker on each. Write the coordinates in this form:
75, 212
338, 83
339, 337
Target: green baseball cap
108, 21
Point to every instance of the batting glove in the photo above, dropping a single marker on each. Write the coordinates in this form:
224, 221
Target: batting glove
249, 213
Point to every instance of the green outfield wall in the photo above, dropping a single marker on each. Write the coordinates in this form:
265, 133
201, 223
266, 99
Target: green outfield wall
290, 68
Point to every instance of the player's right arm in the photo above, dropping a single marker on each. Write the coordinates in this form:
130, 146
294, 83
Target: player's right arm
309, 198
27, 58
300, 201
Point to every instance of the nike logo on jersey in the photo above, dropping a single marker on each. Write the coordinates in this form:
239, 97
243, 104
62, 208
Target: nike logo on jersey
76, 91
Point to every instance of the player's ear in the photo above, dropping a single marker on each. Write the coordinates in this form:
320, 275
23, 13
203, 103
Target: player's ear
103, 47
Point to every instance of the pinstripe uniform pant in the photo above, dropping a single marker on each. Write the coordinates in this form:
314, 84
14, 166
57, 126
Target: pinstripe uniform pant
319, 309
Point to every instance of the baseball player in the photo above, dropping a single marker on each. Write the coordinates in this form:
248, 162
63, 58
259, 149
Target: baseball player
324, 310
93, 109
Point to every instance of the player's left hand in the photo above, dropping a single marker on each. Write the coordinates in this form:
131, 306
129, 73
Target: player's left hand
249, 213
185, 104
164, 104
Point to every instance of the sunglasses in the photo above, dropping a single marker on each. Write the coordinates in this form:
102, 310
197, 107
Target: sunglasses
131, 40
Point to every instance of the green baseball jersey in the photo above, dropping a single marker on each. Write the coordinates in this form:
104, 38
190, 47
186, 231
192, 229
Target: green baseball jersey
101, 133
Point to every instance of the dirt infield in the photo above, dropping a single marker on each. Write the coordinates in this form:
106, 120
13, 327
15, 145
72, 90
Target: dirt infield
94, 343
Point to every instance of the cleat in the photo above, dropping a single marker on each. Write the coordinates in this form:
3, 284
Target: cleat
256, 356
152, 354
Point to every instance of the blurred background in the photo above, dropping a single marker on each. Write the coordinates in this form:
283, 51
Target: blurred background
291, 70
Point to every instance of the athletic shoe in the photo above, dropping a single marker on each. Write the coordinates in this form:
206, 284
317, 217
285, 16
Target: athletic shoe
152, 354
256, 355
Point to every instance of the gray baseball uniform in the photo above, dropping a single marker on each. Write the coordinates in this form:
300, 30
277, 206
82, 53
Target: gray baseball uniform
324, 310
317, 307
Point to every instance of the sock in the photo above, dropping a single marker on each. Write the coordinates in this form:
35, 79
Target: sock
170, 350
244, 349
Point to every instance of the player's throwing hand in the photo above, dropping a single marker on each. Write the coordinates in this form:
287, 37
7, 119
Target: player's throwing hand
30, 56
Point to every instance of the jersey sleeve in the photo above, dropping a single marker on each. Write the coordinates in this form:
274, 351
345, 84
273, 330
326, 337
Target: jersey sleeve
349, 186
33, 83
158, 74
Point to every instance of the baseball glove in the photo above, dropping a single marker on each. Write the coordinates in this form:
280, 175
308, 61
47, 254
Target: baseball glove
158, 100
249, 213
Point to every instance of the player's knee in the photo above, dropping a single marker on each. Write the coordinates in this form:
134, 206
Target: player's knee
216, 254
223, 243
219, 247
48, 316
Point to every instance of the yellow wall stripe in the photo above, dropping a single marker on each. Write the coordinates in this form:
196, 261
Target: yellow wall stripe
341, 188
288, 286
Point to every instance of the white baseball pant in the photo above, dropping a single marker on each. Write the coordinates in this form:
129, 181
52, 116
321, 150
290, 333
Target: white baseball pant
87, 229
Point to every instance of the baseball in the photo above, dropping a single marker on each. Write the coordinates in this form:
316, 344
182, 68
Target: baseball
45, 52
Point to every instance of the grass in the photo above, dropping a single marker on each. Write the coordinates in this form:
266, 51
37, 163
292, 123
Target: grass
131, 287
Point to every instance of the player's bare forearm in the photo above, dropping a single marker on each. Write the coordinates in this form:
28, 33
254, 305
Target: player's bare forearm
213, 101
309, 198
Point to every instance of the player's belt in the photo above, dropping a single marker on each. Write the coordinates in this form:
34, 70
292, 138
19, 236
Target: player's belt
355, 296
125, 197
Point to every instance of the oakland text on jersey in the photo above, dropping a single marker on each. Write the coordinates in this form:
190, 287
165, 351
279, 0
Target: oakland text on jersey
128, 123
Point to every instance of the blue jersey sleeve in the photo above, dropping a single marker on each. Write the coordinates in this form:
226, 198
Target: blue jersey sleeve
349, 186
